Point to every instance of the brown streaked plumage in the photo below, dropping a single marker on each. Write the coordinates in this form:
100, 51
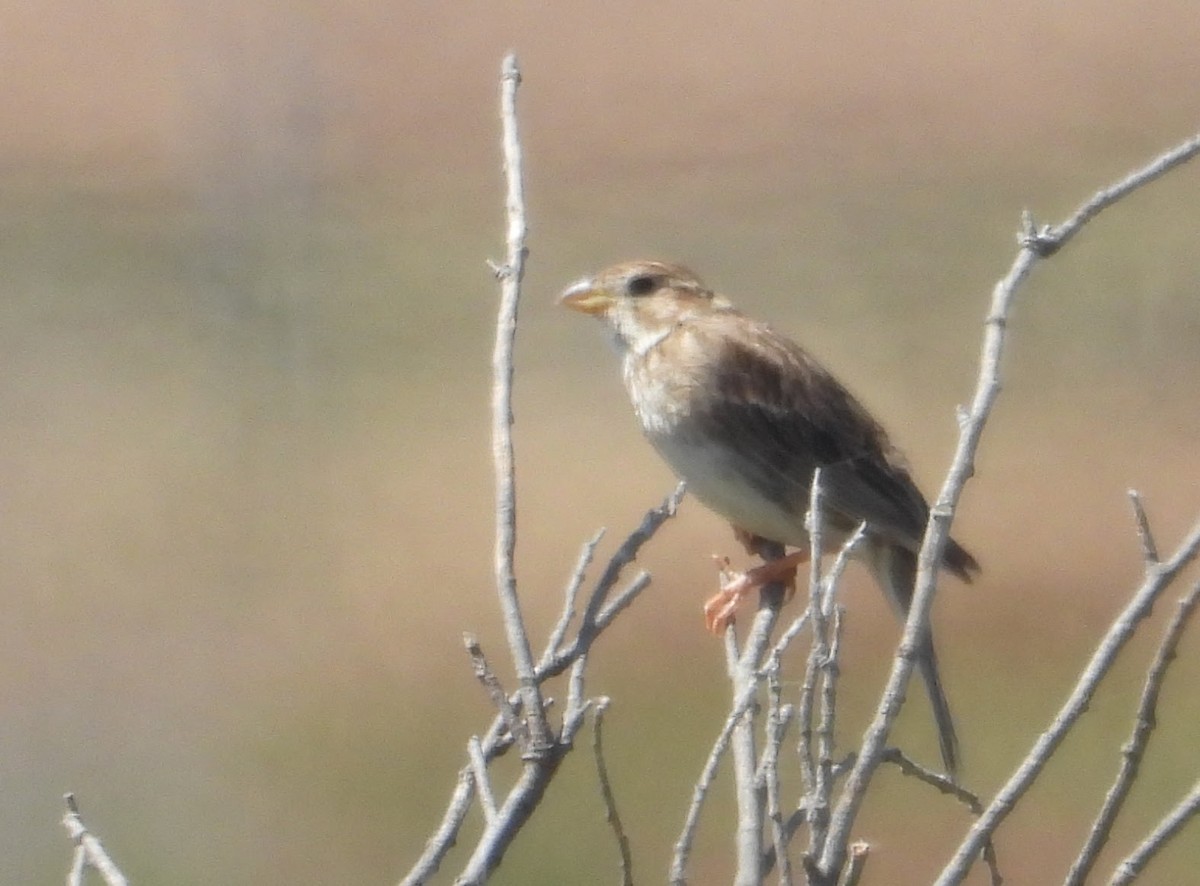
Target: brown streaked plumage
745, 415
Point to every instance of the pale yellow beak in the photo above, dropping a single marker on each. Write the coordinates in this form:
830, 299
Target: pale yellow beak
585, 297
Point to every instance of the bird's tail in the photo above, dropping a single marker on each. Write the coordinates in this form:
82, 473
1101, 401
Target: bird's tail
895, 569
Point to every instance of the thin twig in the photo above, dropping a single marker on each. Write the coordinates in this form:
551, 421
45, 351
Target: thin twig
487, 677
1135, 747
778, 716
498, 738
518, 806
599, 615
621, 600
78, 867
495, 742
483, 784
527, 701
829, 672
88, 850
577, 703
626, 554
951, 788
744, 670
833, 578
1048, 240
1158, 578
942, 783
610, 801
1145, 536
859, 853
785, 639
814, 523
1171, 824
748, 832
559, 631
683, 845
510, 276
751, 797
1034, 245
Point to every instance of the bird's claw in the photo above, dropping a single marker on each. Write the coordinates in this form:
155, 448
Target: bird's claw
721, 608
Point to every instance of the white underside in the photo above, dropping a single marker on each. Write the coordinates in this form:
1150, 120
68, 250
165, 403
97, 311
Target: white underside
710, 479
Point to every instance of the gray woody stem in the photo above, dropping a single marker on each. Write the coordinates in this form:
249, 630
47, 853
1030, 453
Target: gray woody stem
1158, 578
1168, 828
1035, 244
88, 851
1135, 749
743, 673
510, 275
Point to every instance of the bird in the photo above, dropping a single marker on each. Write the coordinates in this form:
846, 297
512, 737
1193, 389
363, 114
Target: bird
745, 415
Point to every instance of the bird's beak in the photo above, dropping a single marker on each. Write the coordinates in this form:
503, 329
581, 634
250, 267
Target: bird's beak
584, 296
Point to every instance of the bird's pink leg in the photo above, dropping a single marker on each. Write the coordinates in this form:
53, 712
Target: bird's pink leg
719, 611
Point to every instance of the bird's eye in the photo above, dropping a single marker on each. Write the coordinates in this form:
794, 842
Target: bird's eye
642, 284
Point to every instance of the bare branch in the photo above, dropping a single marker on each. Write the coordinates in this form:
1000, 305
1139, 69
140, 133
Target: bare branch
1166, 830
78, 867
683, 846
952, 789
749, 830
577, 703
814, 523
785, 639
523, 716
626, 555
598, 615
572, 593
487, 677
823, 789
610, 802
498, 738
751, 798
482, 783
1158, 578
510, 276
834, 577
1149, 548
520, 803
1049, 240
778, 716
89, 853
1034, 245
1135, 747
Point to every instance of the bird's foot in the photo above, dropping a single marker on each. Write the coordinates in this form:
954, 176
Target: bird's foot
720, 610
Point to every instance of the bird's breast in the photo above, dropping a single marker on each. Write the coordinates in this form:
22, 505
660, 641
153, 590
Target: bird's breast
715, 478
665, 390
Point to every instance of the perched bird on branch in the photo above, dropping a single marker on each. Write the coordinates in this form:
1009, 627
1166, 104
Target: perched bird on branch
745, 415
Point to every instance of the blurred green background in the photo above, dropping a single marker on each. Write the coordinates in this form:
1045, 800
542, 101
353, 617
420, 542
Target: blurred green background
246, 328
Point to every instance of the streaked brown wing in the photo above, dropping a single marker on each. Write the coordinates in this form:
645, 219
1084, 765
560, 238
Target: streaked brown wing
784, 415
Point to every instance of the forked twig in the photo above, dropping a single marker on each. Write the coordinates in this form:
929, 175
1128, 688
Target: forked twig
1166, 830
1135, 748
1158, 578
89, 853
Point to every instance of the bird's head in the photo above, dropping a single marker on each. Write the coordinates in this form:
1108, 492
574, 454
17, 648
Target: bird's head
643, 301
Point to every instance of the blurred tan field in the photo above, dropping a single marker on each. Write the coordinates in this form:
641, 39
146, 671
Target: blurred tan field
245, 335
